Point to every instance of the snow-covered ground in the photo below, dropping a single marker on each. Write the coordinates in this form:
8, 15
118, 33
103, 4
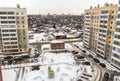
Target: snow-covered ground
63, 65
117, 78
37, 37
10, 74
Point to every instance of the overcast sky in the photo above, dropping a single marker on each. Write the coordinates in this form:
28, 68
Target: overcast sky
55, 6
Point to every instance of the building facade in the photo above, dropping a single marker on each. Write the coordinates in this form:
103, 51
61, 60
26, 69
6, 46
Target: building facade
115, 59
56, 44
13, 30
99, 29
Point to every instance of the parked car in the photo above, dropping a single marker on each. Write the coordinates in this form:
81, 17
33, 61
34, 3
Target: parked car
96, 60
83, 51
79, 80
102, 65
35, 67
106, 77
90, 56
74, 52
80, 57
85, 63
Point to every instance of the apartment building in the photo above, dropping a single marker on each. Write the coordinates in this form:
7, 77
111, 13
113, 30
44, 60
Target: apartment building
13, 30
115, 59
99, 29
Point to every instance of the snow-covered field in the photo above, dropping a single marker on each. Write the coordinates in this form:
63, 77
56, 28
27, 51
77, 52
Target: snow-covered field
63, 65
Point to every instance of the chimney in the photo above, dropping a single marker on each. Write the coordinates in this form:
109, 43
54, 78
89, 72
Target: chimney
106, 4
18, 6
98, 5
90, 7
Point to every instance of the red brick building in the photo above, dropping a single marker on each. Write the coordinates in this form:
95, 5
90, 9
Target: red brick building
56, 44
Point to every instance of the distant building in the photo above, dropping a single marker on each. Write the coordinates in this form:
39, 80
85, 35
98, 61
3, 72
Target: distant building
56, 44
99, 29
13, 30
115, 59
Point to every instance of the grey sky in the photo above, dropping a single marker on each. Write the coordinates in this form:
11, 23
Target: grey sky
55, 6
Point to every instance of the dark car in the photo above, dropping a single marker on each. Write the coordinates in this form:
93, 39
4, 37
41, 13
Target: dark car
96, 60
85, 63
90, 56
79, 80
74, 52
35, 67
79, 57
83, 51
106, 77
102, 65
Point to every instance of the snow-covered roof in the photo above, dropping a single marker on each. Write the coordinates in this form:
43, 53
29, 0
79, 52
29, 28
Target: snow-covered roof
74, 30
51, 29
70, 36
57, 41
59, 33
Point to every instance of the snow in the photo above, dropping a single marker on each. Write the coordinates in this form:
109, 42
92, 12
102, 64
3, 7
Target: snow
37, 37
63, 65
59, 33
108, 65
116, 78
57, 41
7, 73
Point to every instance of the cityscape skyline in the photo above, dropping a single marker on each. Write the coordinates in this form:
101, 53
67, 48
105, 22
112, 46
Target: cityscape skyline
55, 6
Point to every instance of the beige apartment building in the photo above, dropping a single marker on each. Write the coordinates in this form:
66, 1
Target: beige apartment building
99, 29
13, 30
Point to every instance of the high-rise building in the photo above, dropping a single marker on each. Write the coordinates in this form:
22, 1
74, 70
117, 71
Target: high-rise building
13, 30
99, 29
115, 59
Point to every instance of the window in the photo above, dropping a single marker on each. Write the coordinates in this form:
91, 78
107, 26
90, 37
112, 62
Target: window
111, 22
118, 14
17, 13
3, 17
11, 21
3, 13
118, 23
4, 22
11, 17
14, 46
22, 17
6, 42
24, 38
12, 30
13, 38
17, 17
11, 13
5, 30
18, 22
112, 11
12, 34
23, 22
13, 42
5, 34
5, 38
